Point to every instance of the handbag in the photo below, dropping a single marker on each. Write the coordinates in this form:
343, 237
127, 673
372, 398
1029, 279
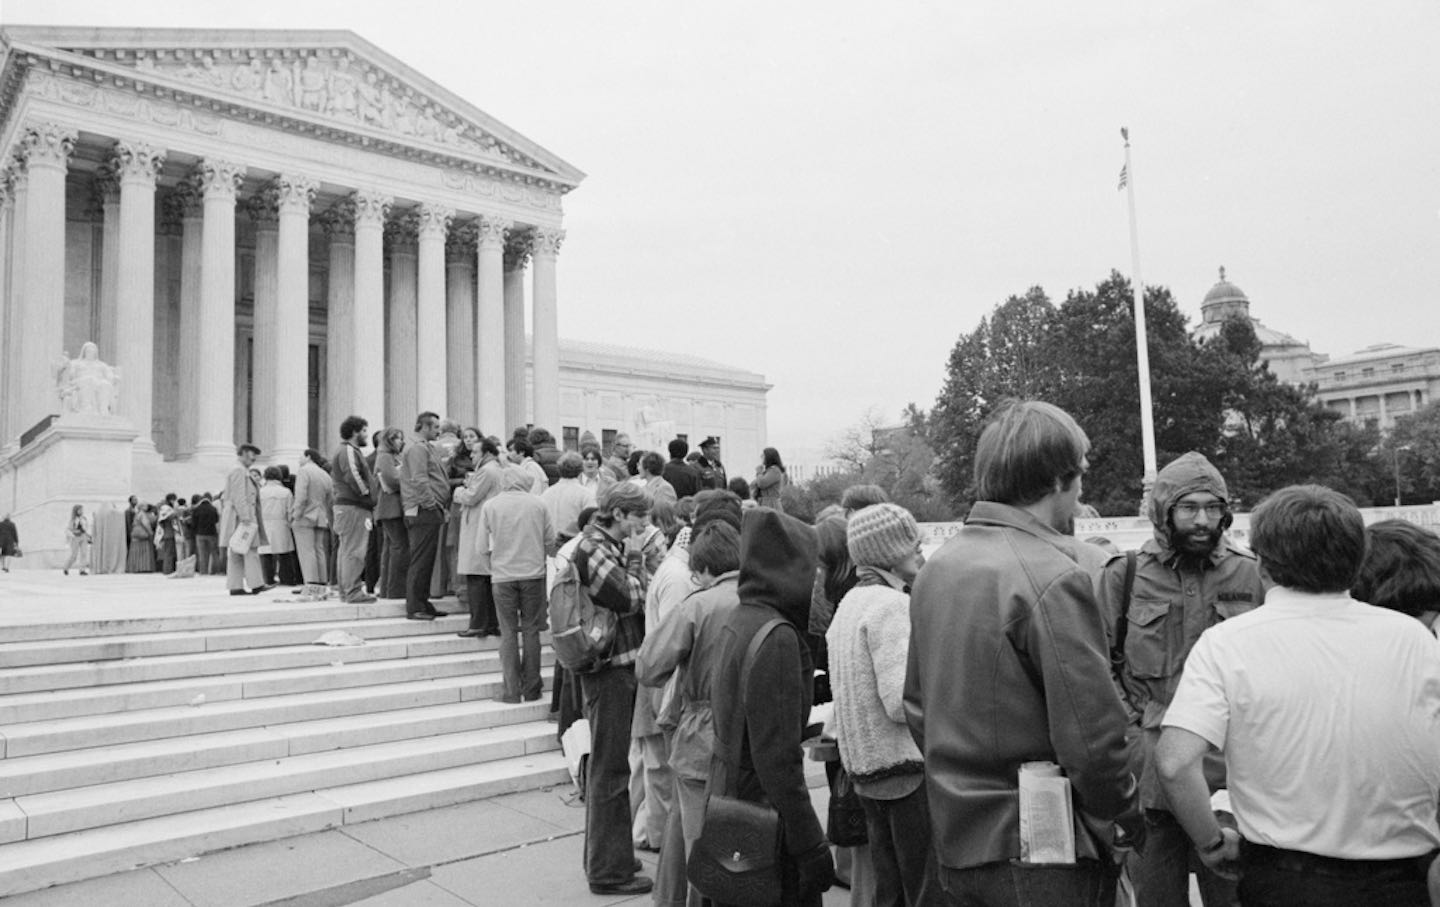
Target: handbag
243, 537
845, 824
737, 857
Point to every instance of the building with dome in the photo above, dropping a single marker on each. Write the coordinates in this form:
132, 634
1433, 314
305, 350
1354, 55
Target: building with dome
1373, 386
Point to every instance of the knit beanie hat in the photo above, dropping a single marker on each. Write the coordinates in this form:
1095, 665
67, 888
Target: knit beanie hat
881, 535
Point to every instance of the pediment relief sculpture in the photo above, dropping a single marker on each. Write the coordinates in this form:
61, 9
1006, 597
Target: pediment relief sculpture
328, 82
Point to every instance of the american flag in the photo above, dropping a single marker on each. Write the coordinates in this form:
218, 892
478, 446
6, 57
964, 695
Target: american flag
1124, 176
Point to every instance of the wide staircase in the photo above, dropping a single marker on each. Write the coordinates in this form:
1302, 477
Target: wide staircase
128, 743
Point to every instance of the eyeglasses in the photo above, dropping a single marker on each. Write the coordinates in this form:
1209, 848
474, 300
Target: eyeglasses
1190, 511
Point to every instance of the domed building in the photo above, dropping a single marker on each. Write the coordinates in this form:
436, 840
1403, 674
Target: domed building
1287, 356
1376, 385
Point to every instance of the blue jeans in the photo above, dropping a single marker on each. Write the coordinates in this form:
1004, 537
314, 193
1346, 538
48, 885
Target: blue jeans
1281, 878
609, 707
1161, 871
1088, 883
520, 608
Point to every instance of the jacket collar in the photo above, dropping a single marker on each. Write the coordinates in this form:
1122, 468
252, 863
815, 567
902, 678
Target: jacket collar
1171, 558
993, 513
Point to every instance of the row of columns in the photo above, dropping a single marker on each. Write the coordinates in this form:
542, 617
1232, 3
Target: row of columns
426, 330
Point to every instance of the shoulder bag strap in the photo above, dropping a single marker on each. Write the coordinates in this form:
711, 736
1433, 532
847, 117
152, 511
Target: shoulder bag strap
1122, 625
723, 763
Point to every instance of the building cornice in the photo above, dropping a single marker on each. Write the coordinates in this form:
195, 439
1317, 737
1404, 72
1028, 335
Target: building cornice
23, 57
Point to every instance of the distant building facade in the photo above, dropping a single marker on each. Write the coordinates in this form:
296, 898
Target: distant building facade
1376, 385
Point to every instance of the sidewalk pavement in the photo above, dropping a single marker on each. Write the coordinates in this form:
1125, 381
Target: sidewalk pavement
514, 850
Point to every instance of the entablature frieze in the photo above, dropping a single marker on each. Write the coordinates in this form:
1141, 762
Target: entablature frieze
184, 131
329, 94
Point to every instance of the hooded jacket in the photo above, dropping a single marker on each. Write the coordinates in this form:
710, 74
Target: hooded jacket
1172, 602
763, 763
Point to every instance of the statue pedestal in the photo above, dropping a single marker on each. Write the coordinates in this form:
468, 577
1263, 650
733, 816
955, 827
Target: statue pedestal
78, 459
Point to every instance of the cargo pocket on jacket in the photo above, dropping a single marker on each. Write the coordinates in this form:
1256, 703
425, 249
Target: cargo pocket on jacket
1147, 648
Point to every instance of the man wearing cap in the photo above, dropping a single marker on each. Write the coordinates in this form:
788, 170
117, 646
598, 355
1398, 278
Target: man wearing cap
1186, 579
712, 471
868, 642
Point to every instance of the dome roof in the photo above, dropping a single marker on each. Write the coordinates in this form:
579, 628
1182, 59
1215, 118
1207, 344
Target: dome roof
1224, 291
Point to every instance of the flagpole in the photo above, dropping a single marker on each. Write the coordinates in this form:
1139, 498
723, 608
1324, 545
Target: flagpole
1142, 346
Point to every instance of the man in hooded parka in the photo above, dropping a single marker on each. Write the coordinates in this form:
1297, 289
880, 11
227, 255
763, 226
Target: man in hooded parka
1187, 578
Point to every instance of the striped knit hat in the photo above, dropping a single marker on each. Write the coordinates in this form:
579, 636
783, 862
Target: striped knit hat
881, 535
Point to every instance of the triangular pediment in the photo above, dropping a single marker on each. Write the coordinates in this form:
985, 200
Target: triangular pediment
331, 77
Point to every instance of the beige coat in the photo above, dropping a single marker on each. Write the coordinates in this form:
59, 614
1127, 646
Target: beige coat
481, 485
241, 505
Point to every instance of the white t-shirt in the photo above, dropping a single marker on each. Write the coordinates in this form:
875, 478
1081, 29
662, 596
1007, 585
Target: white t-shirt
1328, 712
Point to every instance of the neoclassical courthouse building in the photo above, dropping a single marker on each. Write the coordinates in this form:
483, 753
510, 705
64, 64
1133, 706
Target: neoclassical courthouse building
265, 231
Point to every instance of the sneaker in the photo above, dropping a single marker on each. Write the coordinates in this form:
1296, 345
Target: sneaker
362, 600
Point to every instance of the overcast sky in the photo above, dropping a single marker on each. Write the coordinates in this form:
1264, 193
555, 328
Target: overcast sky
830, 193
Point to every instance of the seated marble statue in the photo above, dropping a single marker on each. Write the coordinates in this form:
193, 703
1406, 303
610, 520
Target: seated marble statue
88, 385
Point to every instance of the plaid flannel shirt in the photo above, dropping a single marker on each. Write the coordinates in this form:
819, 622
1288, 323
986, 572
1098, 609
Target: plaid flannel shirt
618, 582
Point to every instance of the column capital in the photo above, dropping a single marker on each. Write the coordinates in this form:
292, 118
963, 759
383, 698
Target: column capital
46, 145
136, 162
371, 208
400, 235
491, 231
433, 220
218, 179
338, 221
262, 211
291, 192
177, 205
460, 244
547, 241
517, 250
105, 188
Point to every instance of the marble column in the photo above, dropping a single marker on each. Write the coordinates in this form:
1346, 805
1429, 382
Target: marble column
340, 354
265, 322
517, 254
191, 355
293, 195
401, 404
367, 324
215, 425
136, 165
546, 329
7, 236
14, 294
169, 261
45, 149
490, 326
431, 371
460, 323
108, 188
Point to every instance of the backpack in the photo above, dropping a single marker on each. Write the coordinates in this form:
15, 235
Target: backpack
580, 633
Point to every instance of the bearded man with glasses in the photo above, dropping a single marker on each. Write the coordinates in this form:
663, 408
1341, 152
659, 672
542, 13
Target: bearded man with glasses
1157, 602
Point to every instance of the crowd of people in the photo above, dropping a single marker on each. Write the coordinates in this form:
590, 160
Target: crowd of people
1267, 718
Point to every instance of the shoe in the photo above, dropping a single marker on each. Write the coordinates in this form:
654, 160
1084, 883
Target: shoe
639, 866
471, 633
637, 885
265, 588
238, 592
534, 697
362, 600
494, 633
66, 572
420, 615
84, 572
436, 612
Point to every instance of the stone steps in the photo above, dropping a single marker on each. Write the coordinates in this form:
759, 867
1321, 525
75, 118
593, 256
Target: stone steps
137, 741
43, 862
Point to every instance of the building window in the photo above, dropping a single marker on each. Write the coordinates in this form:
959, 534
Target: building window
570, 437
1398, 367
1367, 373
1339, 376
607, 441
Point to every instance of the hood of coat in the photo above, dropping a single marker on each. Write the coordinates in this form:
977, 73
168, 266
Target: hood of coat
1186, 474
777, 564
